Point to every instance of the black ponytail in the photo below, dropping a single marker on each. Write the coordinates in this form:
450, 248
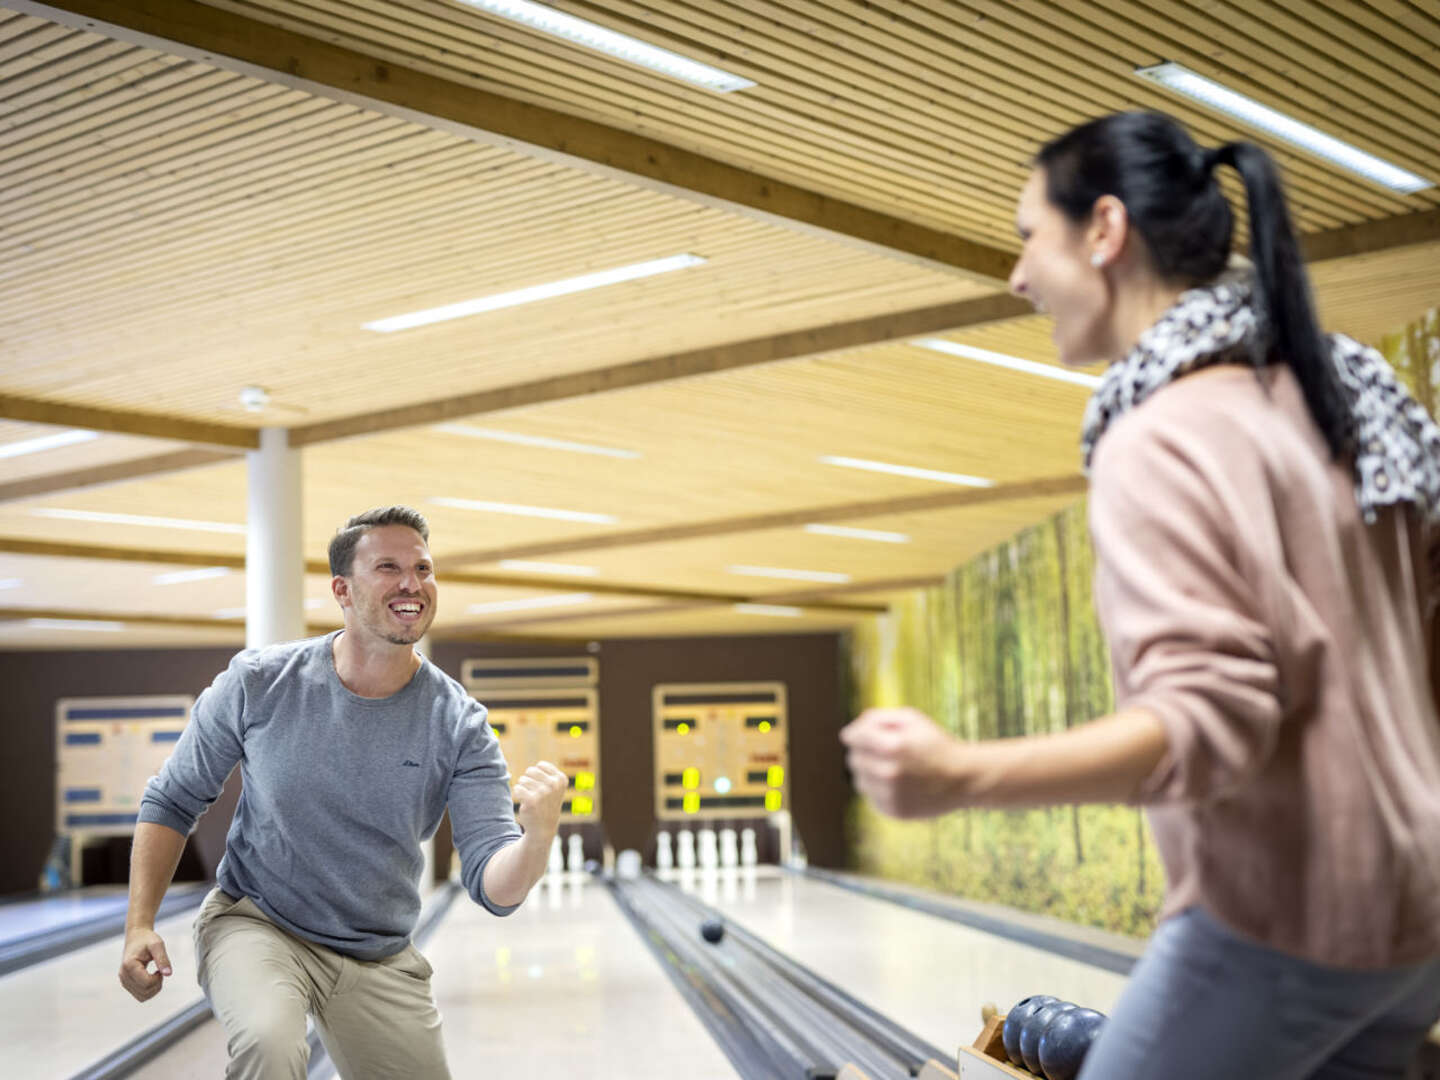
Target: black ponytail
1282, 293
1151, 164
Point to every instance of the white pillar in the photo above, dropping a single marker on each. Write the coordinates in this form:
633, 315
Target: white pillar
274, 550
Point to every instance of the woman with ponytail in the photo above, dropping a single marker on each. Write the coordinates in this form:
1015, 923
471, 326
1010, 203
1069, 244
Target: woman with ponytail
1265, 510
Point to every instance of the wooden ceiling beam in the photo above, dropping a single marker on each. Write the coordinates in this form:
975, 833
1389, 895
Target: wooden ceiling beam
1048, 487
62, 550
100, 475
236, 42
118, 422
814, 341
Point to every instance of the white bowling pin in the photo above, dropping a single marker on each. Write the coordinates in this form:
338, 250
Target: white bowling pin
709, 854
557, 858
664, 857
575, 856
685, 855
729, 850
748, 855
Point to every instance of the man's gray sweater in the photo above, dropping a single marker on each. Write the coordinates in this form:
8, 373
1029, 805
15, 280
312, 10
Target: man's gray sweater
339, 792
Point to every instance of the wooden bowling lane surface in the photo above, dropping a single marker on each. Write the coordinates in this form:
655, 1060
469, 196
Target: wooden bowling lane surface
562, 988
63, 1014
930, 975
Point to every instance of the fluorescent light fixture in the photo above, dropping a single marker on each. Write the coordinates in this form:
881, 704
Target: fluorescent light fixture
792, 575
564, 569
46, 442
523, 511
1263, 118
229, 613
564, 600
179, 577
76, 624
534, 440
1014, 363
11, 583
858, 534
621, 46
535, 292
138, 519
314, 602
908, 470
769, 609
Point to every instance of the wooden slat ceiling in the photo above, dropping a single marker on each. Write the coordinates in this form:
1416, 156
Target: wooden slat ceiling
173, 229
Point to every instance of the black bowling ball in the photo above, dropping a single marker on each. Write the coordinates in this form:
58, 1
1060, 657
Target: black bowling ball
1034, 1027
712, 930
1015, 1018
1066, 1040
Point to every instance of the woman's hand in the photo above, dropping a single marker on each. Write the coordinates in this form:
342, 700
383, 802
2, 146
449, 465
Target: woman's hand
904, 763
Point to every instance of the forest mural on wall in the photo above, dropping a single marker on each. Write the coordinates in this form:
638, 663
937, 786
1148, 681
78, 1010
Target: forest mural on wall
1009, 645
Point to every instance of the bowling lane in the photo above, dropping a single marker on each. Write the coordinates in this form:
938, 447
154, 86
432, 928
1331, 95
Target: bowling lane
926, 973
63, 1014
564, 987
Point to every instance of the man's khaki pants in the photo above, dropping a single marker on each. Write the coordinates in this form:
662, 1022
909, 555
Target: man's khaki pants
377, 1019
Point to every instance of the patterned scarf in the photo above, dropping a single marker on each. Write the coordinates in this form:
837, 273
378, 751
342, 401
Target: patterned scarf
1396, 443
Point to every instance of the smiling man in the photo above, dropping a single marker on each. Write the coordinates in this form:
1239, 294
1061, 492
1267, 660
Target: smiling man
351, 746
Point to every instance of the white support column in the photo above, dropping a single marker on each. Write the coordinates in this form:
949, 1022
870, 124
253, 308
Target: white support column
274, 551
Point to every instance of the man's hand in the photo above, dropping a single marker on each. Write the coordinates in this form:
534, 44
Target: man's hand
142, 948
903, 762
540, 793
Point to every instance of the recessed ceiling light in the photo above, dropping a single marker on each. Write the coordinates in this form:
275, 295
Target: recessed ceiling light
46, 442
97, 625
770, 609
791, 575
1014, 363
564, 569
11, 583
229, 613
140, 519
534, 440
524, 511
909, 470
179, 577
858, 534
314, 602
530, 295
528, 603
621, 46
1222, 99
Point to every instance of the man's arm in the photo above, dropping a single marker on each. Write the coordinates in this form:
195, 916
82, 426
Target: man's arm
513, 871
153, 858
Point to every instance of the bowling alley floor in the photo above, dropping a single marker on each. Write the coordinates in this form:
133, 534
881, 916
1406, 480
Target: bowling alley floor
565, 987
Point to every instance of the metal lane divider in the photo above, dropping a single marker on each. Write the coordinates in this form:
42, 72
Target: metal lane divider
774, 1017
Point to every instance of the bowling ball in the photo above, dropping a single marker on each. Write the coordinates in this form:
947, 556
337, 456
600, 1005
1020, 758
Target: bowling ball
1034, 1027
1065, 1041
712, 930
1018, 1014
592, 866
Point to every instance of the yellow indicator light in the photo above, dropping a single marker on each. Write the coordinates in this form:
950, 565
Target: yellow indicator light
775, 776
772, 800
581, 805
764, 727
682, 729
576, 731
690, 778
692, 803
584, 781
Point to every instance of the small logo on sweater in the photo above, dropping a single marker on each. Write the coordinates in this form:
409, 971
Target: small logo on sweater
410, 764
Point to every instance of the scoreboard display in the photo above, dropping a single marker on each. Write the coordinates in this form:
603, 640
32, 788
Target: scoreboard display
106, 749
545, 710
720, 750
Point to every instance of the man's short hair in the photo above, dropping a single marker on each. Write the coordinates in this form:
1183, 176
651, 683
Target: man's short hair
342, 545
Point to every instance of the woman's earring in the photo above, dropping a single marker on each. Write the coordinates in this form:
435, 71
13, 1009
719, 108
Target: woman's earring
1097, 260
